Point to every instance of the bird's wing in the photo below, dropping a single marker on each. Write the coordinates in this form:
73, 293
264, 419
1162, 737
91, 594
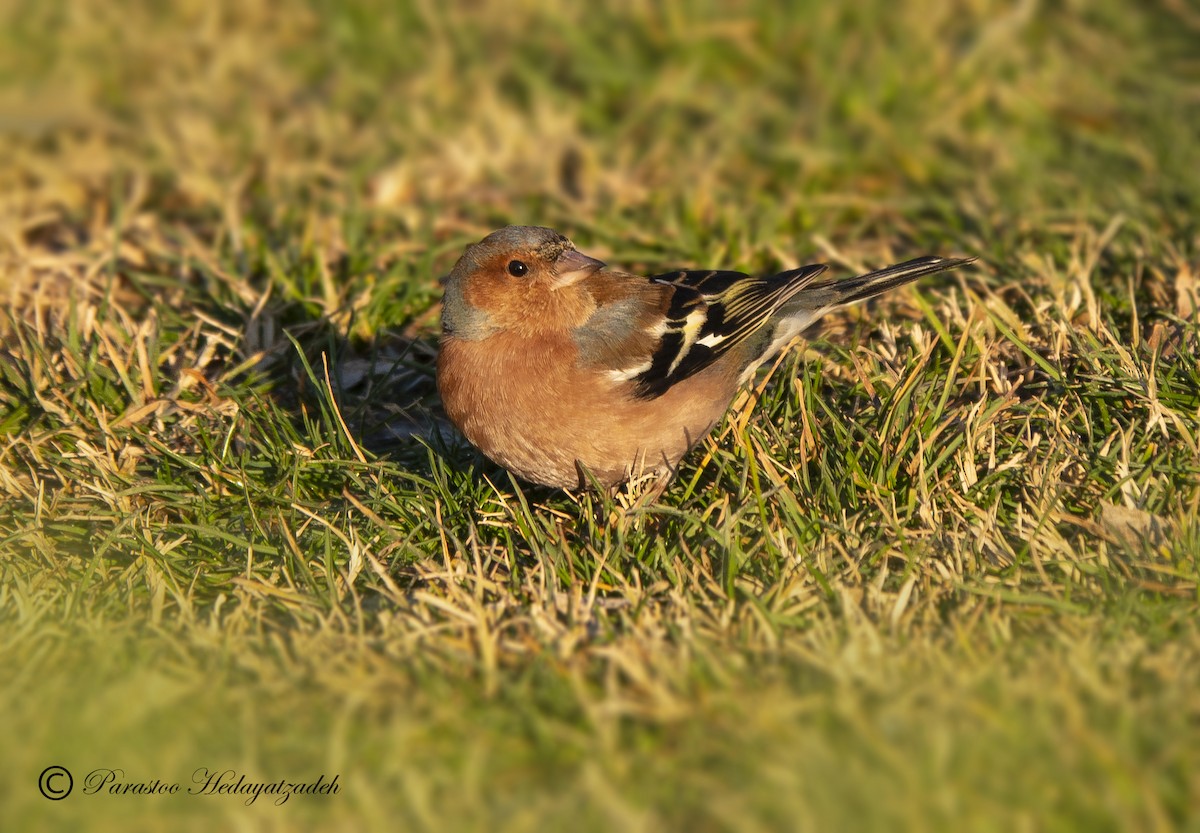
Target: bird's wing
679, 323
658, 331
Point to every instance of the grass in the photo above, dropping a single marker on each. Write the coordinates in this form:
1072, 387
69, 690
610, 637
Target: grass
937, 570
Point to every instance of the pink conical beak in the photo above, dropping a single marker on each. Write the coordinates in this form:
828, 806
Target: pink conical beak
572, 266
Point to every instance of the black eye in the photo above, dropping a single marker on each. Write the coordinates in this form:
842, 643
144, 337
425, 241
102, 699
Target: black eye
517, 268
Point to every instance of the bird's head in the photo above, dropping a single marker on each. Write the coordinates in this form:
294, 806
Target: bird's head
520, 277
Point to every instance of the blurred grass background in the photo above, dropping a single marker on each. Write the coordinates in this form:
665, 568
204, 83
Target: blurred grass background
943, 575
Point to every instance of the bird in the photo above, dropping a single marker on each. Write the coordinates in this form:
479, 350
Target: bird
573, 375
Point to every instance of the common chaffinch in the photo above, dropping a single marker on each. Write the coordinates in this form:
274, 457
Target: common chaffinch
563, 371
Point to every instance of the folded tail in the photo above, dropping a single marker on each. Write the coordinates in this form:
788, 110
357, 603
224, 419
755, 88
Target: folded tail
852, 290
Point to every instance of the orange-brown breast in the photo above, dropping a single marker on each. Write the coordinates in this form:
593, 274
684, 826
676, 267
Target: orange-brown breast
523, 401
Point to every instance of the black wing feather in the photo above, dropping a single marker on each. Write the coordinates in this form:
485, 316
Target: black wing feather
722, 307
